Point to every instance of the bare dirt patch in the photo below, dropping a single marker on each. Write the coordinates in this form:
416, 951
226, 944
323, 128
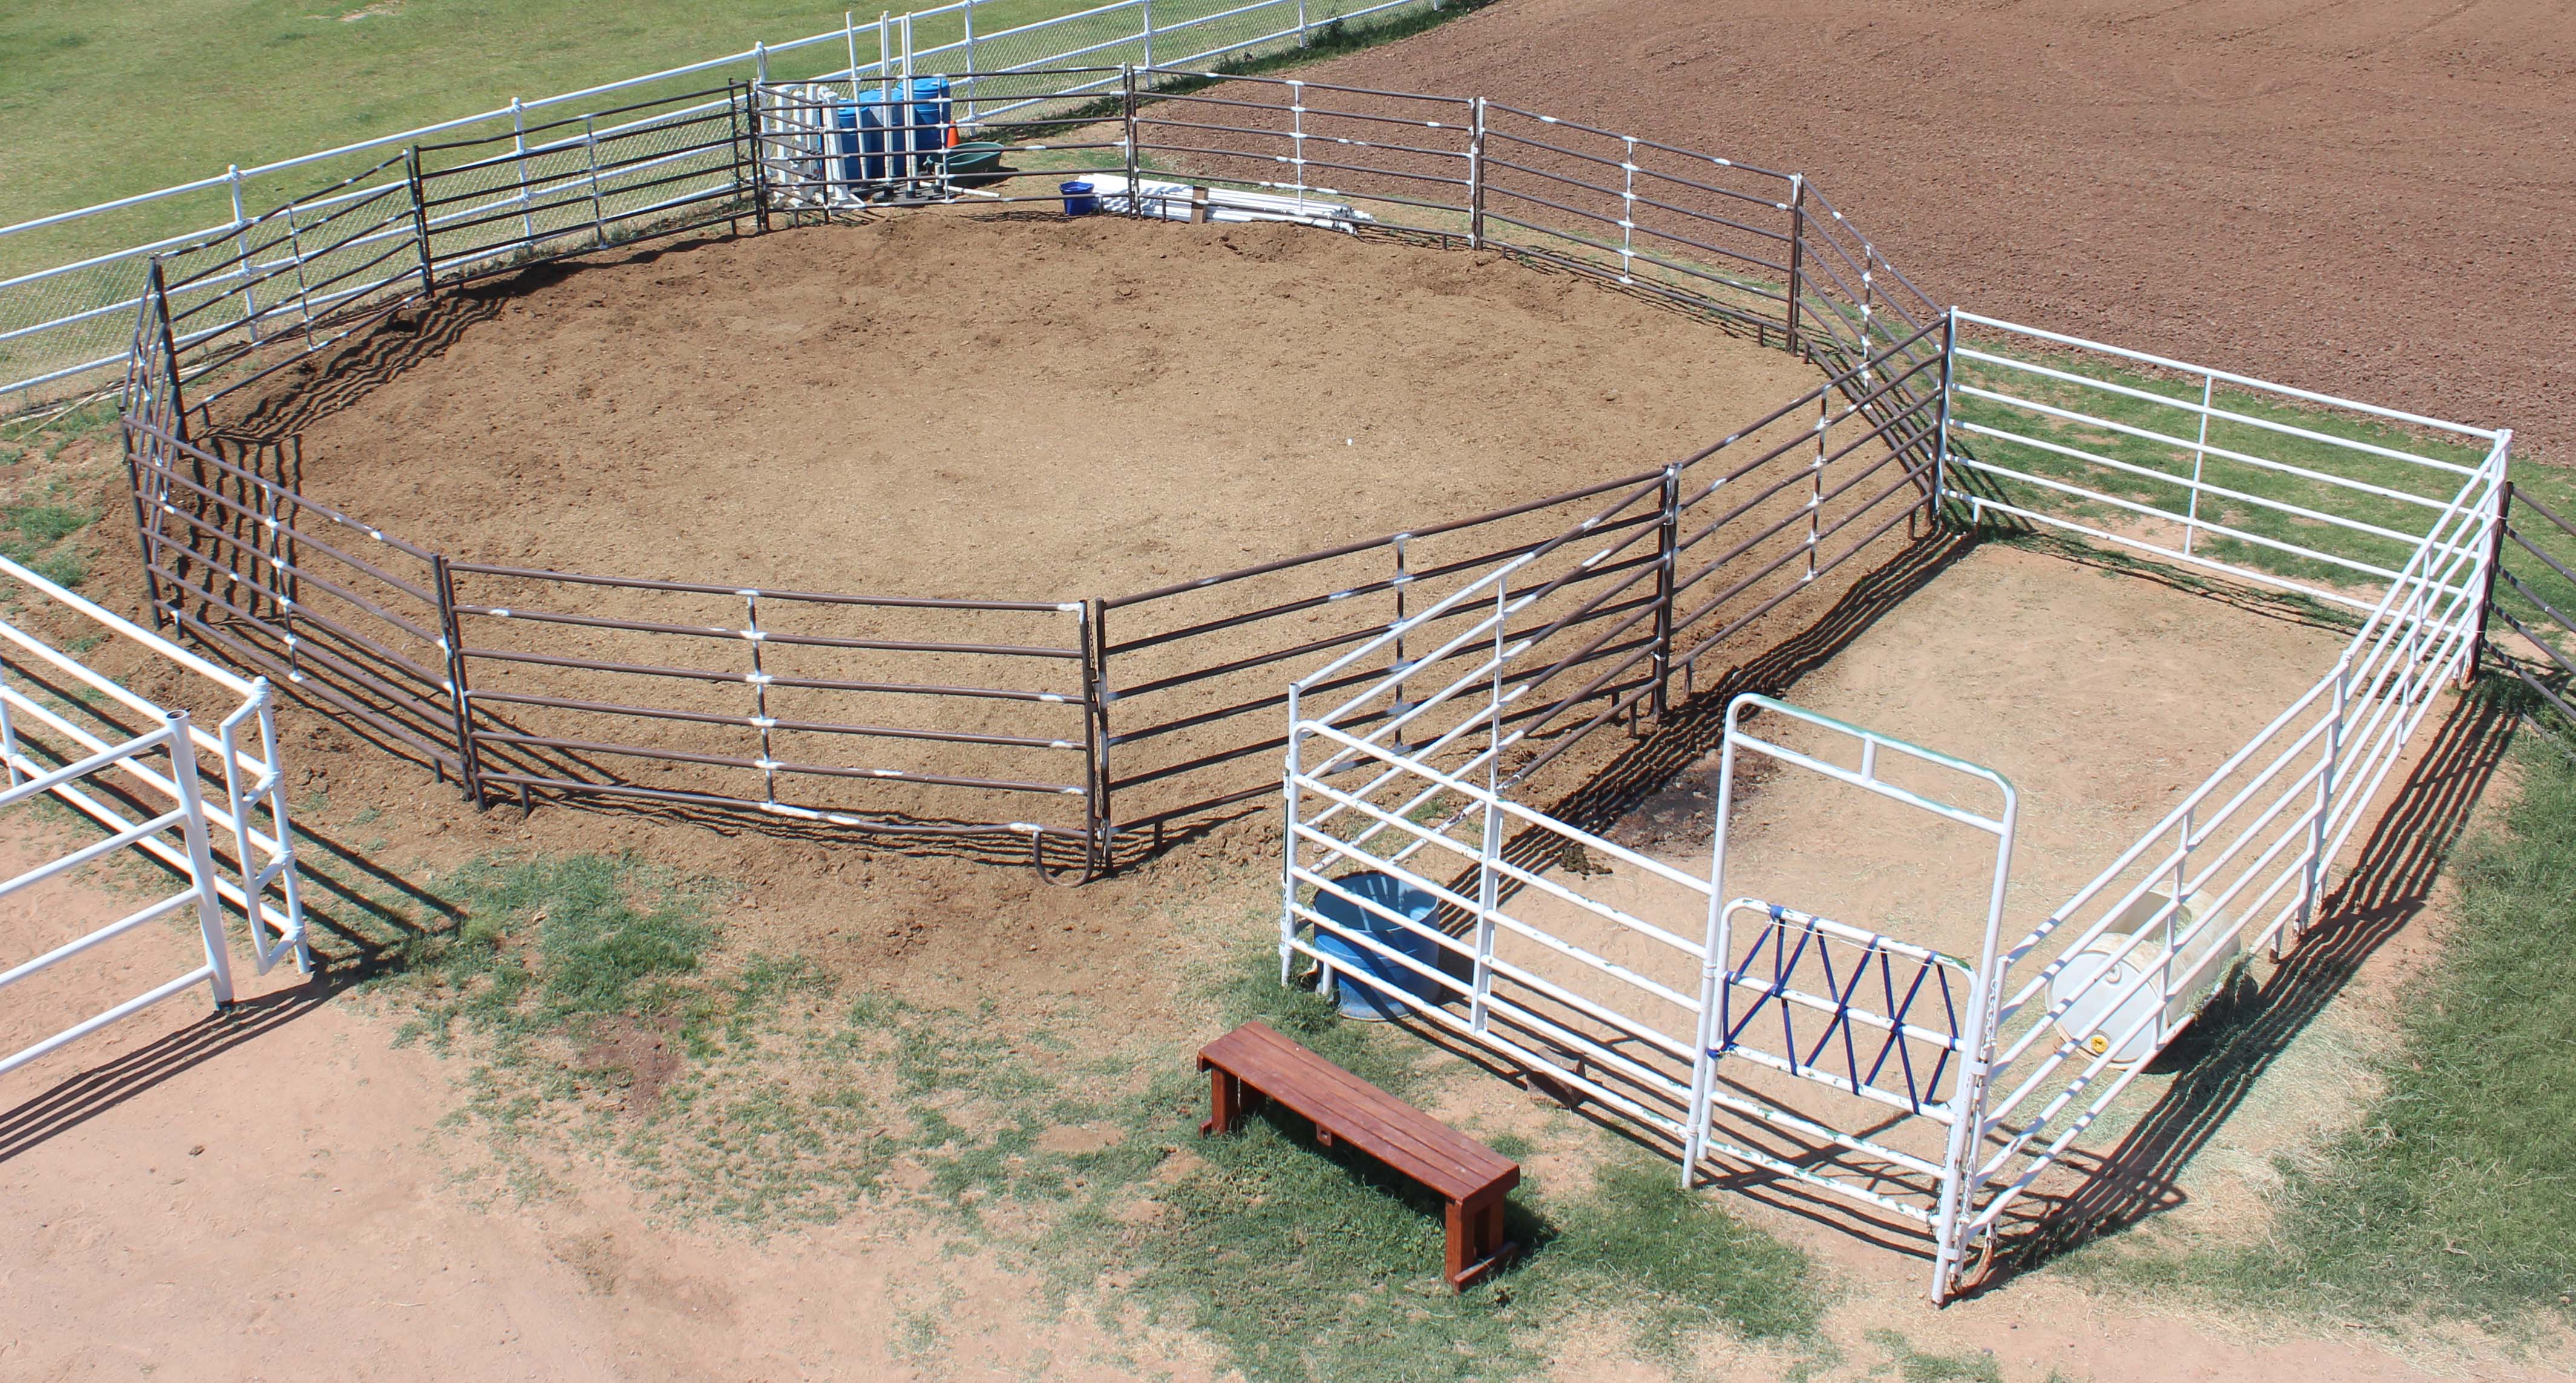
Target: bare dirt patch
972, 405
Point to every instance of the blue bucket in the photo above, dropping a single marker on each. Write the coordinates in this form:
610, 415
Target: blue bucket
1078, 200
1365, 981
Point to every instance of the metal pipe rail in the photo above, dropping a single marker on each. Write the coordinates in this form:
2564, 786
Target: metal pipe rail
244, 746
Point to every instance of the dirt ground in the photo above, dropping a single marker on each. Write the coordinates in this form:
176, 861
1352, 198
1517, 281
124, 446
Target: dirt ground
1010, 407
2365, 198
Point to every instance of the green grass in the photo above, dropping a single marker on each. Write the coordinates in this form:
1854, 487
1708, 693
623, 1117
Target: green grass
42, 526
2551, 485
2458, 1191
2455, 1194
254, 81
548, 944
796, 1101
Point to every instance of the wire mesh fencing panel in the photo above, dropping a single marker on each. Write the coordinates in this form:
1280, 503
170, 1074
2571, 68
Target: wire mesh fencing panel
919, 717
297, 278
657, 167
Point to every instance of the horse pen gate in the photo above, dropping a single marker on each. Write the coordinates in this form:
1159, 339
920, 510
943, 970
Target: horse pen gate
2035, 1038
1459, 662
69, 734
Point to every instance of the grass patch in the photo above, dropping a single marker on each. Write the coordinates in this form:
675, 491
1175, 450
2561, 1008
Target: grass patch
781, 1098
42, 526
549, 943
1918, 1366
2458, 1191
1310, 1264
38, 531
2455, 1196
265, 80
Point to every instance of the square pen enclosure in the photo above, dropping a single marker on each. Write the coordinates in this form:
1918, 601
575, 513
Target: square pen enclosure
1504, 487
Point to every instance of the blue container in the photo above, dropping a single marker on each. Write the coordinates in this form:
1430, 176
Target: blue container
876, 115
1363, 978
1078, 200
930, 116
846, 144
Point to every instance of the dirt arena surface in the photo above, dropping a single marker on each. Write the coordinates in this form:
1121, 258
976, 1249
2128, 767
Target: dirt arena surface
2369, 198
1007, 406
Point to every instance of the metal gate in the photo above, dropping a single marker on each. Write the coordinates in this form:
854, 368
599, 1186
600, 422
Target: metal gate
67, 732
1888, 1022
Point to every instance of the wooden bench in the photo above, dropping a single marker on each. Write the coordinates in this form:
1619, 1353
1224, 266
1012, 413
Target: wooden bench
1254, 1061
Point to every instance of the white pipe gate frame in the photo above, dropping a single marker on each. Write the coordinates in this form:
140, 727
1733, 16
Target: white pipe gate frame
62, 746
2004, 1063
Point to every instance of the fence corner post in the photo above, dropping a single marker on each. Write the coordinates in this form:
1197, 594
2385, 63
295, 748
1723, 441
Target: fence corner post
419, 216
2476, 663
1475, 176
469, 760
1127, 137
201, 860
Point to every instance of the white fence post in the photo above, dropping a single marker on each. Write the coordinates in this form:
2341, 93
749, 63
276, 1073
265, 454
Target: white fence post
1475, 159
1148, 7
2313, 884
598, 213
2199, 457
968, 96
760, 61
201, 861
519, 160
241, 244
8, 735
1301, 23
1488, 880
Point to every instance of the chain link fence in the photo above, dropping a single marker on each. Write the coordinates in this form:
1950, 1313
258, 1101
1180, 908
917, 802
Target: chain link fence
70, 283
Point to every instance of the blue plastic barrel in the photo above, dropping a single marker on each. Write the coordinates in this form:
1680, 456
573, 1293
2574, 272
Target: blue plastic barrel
1078, 200
1363, 978
878, 113
846, 143
930, 108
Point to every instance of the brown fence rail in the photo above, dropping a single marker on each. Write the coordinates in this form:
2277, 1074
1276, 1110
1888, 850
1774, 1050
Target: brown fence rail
1065, 723
2548, 601
865, 712
337, 611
